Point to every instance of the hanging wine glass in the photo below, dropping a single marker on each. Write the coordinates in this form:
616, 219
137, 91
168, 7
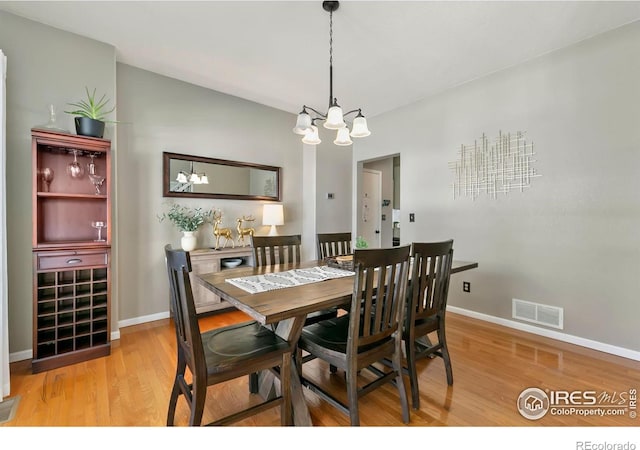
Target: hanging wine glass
96, 179
74, 168
47, 177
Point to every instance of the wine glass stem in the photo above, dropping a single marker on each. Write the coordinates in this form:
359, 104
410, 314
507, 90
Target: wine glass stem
99, 233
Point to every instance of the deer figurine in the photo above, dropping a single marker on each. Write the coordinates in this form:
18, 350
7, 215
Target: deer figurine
221, 232
242, 231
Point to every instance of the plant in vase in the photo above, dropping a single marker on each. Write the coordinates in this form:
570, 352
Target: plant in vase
187, 220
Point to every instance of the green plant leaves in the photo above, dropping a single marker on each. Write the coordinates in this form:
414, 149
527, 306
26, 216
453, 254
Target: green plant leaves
184, 218
91, 108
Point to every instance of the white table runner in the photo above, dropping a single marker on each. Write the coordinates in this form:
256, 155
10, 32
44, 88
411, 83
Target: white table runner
295, 277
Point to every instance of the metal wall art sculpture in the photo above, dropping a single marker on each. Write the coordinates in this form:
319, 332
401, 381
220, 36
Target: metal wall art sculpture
496, 168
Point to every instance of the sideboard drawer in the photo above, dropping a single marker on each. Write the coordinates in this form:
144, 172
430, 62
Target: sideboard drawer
72, 259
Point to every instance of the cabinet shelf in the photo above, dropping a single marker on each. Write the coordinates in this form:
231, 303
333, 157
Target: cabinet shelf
71, 271
70, 195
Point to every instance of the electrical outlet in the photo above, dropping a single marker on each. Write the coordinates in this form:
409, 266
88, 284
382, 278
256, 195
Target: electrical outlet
466, 286
412, 217
330, 195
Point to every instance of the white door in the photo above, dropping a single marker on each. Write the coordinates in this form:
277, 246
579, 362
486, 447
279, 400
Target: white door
370, 219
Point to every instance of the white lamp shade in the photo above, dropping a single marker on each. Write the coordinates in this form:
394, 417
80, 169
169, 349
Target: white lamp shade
311, 137
194, 178
272, 215
335, 120
181, 178
303, 124
342, 137
204, 179
360, 128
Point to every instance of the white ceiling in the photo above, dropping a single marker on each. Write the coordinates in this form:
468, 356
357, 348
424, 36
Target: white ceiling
386, 53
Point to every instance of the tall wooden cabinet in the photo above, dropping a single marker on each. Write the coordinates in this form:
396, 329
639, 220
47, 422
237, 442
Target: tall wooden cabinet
71, 256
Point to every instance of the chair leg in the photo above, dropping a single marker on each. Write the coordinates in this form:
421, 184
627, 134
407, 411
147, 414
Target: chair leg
254, 383
199, 394
175, 392
445, 354
402, 392
352, 396
173, 400
410, 351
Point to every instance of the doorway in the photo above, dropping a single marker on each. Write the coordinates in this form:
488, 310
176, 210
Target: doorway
371, 199
387, 207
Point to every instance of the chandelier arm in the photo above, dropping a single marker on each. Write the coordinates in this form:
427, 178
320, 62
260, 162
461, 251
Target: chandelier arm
351, 112
322, 116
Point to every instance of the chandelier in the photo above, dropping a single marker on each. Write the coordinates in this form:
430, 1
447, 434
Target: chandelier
192, 177
333, 118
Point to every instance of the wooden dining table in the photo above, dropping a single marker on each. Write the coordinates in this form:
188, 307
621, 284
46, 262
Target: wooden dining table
285, 310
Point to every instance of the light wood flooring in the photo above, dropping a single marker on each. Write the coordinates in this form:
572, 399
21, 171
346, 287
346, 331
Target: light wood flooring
492, 365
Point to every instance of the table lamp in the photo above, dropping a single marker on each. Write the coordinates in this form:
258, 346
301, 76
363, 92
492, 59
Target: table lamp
272, 215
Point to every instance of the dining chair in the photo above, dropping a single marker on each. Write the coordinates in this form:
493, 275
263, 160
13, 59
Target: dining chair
371, 332
333, 244
426, 309
274, 250
220, 354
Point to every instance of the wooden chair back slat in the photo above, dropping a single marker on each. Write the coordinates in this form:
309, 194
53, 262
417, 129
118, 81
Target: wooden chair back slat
377, 304
270, 250
432, 269
333, 244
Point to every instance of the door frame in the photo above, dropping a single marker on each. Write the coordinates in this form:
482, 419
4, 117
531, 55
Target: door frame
378, 217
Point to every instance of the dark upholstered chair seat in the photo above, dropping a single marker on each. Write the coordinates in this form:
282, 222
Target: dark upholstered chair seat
330, 334
234, 344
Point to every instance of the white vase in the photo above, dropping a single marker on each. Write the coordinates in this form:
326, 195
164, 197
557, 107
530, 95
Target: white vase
188, 241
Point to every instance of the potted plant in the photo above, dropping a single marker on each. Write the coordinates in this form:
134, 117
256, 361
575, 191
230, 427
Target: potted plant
91, 115
361, 243
187, 220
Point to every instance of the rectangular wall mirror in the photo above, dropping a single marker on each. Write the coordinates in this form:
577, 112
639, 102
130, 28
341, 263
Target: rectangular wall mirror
200, 177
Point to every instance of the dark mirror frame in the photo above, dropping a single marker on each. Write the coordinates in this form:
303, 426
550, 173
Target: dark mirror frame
166, 192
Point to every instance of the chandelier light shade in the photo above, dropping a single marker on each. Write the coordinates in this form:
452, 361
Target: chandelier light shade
311, 136
334, 118
343, 137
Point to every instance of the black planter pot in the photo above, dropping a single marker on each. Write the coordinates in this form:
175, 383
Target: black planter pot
86, 126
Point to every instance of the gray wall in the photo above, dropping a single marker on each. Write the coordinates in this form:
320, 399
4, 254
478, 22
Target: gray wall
333, 165
164, 114
571, 240
44, 66
49, 66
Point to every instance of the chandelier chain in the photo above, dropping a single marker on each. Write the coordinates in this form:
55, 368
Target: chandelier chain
331, 38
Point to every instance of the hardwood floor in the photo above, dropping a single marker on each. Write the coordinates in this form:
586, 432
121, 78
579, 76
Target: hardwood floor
492, 365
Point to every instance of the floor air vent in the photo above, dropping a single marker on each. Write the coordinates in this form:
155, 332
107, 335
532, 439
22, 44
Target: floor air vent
550, 316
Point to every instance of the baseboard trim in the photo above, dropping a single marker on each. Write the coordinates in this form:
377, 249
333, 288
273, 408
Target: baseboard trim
115, 335
588, 343
20, 356
143, 319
